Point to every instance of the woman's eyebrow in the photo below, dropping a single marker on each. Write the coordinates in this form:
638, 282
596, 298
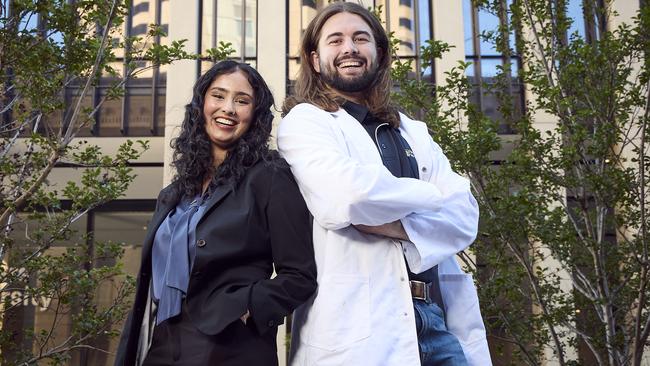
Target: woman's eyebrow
224, 90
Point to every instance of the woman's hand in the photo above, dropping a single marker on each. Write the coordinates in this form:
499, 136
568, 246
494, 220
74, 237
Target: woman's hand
245, 317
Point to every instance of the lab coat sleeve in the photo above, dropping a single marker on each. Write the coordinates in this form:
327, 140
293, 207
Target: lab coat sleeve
436, 235
338, 189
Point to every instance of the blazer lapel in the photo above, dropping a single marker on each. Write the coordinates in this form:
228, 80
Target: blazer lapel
219, 193
165, 204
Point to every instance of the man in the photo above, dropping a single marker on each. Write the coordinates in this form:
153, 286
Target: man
389, 213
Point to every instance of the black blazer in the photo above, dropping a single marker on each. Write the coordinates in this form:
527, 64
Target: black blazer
243, 233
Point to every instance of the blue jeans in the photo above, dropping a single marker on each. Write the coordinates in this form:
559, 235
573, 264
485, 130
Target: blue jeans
438, 347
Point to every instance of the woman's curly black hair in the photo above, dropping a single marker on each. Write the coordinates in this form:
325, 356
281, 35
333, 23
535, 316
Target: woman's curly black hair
193, 149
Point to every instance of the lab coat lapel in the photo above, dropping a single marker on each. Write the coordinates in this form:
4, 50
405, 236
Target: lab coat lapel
360, 144
417, 136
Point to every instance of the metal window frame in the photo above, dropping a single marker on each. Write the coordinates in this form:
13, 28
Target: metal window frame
213, 42
156, 85
476, 56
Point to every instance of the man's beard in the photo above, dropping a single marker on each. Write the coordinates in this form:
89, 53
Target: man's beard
333, 78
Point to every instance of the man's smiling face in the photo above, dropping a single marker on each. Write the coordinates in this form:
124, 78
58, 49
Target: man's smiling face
347, 54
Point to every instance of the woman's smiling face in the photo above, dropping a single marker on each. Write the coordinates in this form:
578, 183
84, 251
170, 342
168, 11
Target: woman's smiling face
228, 109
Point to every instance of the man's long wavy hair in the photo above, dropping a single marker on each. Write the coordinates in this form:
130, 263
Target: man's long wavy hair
193, 158
310, 87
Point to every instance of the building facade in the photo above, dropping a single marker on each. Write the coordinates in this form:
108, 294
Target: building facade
265, 34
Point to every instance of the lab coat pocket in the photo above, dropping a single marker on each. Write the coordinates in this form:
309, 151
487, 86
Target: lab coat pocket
463, 314
341, 312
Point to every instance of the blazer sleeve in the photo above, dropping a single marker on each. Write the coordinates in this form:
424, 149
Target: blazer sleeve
437, 235
290, 234
340, 190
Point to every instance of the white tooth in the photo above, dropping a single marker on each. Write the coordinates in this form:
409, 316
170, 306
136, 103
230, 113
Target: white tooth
350, 63
224, 121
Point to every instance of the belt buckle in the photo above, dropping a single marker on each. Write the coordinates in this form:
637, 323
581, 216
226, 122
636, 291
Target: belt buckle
421, 291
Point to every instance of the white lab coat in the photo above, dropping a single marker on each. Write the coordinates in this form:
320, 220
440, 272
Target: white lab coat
363, 312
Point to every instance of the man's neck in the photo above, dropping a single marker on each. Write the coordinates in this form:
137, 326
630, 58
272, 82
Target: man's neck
352, 97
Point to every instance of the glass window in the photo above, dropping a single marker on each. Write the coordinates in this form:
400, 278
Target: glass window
488, 22
129, 229
292, 75
141, 7
574, 12
233, 22
470, 72
300, 13
132, 227
4, 9
514, 67
208, 24
26, 312
29, 22
587, 19
139, 30
490, 68
140, 107
162, 19
405, 22
425, 26
399, 17
109, 116
143, 95
468, 22
480, 26
411, 23
141, 111
87, 105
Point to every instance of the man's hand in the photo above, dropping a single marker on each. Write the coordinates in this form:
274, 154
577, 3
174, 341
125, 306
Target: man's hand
393, 230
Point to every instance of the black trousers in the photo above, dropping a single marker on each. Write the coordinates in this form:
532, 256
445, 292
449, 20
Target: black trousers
177, 342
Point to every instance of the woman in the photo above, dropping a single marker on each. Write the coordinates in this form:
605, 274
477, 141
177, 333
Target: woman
232, 213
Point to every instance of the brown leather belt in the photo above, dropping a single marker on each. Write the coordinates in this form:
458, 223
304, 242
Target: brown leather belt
421, 291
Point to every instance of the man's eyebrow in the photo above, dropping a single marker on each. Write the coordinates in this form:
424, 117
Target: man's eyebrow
339, 34
336, 34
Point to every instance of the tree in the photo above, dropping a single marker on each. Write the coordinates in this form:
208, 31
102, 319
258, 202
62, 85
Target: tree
563, 245
47, 49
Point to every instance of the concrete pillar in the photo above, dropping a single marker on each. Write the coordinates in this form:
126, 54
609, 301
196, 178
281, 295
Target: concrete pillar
181, 75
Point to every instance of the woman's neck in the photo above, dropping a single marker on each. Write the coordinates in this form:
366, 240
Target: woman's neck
206, 184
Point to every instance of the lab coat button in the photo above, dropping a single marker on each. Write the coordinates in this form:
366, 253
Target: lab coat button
424, 168
401, 279
200, 243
